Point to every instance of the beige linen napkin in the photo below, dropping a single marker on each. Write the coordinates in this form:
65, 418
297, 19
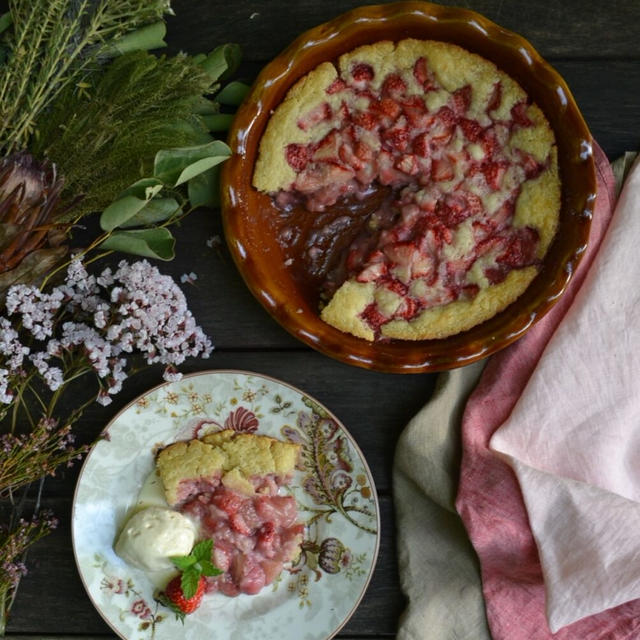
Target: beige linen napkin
439, 572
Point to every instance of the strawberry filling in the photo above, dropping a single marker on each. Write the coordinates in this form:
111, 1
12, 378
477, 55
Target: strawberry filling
453, 182
253, 535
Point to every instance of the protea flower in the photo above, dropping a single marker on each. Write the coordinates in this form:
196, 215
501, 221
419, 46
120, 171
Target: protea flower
29, 238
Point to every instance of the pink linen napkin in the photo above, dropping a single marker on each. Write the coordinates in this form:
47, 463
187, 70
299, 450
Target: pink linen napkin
573, 437
489, 497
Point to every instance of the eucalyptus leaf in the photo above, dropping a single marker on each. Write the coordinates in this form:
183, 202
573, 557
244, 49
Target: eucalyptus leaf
204, 189
199, 167
170, 163
222, 62
233, 94
151, 243
218, 122
118, 212
145, 189
155, 211
148, 37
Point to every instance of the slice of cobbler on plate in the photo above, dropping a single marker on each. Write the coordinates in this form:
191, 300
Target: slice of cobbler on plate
232, 485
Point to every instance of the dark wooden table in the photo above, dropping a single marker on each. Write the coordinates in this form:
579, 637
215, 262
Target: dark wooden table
594, 45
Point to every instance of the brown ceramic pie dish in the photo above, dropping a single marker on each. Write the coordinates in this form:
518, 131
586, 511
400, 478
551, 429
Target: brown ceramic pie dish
247, 213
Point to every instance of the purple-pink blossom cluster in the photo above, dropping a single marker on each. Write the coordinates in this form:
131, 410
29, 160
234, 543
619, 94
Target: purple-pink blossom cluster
13, 544
96, 322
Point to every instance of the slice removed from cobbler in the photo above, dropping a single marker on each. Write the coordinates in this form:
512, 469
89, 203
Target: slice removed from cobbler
231, 485
470, 163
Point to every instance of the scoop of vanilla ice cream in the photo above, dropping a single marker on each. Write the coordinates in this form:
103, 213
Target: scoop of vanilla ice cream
151, 536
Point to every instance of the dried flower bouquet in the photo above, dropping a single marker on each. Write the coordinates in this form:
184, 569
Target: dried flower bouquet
91, 123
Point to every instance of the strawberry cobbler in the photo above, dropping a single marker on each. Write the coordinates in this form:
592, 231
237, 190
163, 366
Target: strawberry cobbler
458, 171
230, 484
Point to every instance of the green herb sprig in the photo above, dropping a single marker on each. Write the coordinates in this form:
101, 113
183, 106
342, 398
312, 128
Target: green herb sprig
52, 44
197, 563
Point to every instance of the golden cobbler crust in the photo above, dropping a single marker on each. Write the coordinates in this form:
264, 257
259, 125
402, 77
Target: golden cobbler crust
231, 457
537, 205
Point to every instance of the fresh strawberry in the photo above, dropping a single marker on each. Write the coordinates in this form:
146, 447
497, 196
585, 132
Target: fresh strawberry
184, 592
176, 596
328, 149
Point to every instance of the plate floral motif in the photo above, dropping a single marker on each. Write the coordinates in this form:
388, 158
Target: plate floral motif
333, 487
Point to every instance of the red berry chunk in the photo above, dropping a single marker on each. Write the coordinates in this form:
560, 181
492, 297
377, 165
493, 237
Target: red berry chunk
336, 86
462, 100
521, 249
442, 169
422, 75
393, 86
519, 115
366, 120
372, 316
493, 173
387, 107
362, 72
297, 156
318, 114
471, 129
496, 97
420, 145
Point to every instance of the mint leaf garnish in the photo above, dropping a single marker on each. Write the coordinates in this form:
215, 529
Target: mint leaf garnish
207, 568
189, 582
202, 550
183, 562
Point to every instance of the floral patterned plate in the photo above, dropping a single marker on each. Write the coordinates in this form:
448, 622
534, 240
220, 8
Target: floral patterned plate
334, 490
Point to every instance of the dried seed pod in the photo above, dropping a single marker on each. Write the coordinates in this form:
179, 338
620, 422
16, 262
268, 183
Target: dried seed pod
29, 198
